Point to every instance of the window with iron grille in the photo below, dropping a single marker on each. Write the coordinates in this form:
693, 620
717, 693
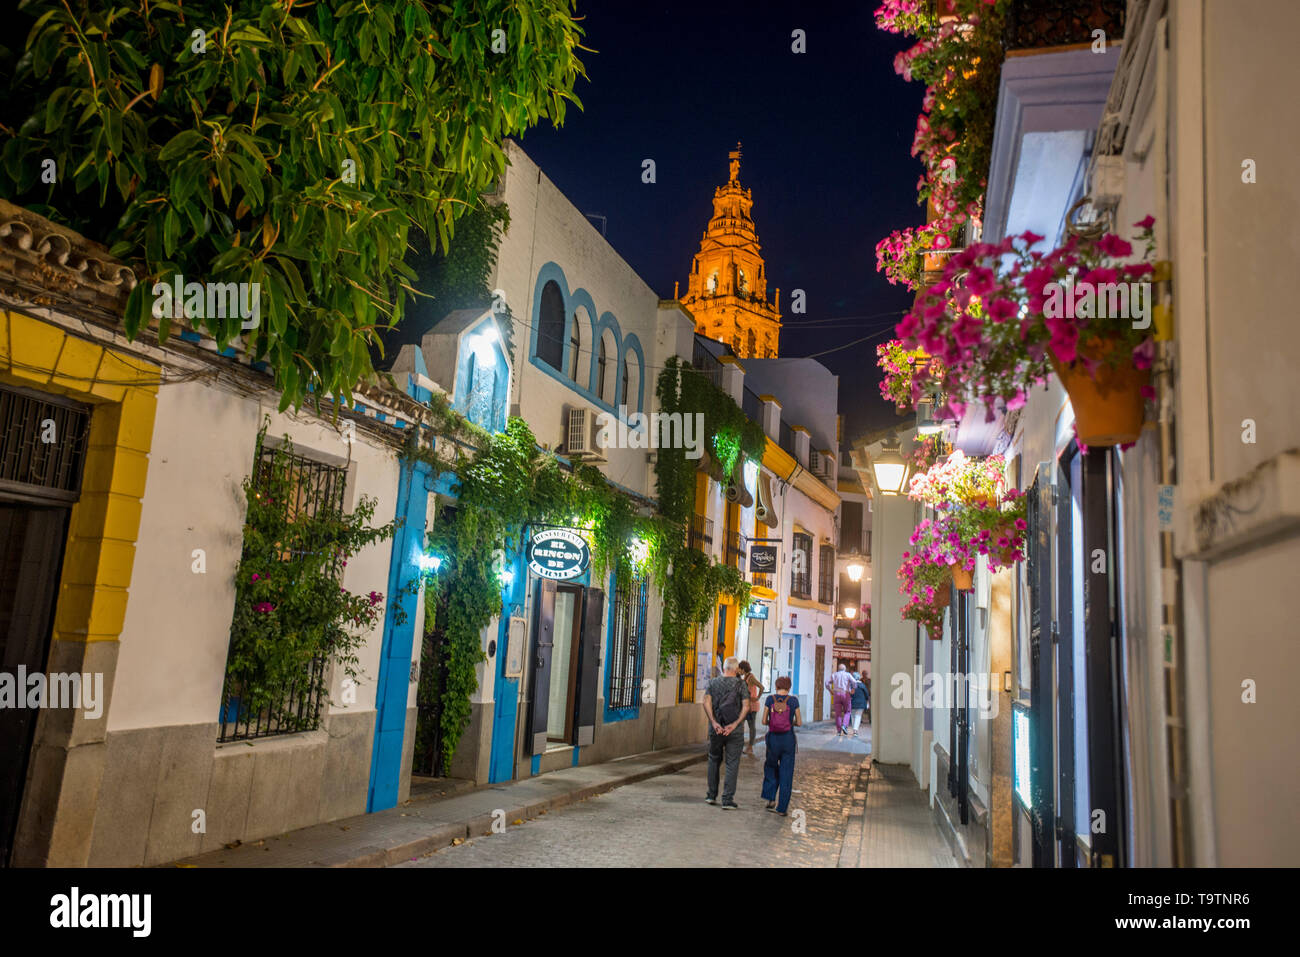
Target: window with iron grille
700, 535
42, 445
826, 574
801, 566
317, 489
686, 670
627, 656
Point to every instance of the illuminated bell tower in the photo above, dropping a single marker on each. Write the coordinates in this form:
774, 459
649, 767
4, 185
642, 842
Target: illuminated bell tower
727, 288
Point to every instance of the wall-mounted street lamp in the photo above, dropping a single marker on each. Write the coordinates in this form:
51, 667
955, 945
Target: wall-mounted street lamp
890, 468
855, 567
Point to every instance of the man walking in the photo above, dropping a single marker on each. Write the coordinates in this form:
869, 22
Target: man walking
726, 703
841, 686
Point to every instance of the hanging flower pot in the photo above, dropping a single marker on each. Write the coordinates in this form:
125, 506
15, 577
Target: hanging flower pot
963, 579
1108, 405
942, 596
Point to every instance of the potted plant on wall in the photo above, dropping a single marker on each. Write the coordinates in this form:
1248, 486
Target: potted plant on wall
927, 570
1078, 311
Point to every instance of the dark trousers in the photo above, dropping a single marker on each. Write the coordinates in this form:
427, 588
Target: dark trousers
751, 719
729, 745
778, 768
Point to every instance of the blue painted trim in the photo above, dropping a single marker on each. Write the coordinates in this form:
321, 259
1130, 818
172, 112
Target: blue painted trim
614, 714
398, 648
505, 707
460, 397
536, 765
798, 657
632, 344
551, 272
576, 749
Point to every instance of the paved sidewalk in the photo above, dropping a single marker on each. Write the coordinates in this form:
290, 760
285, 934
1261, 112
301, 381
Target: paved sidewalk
423, 826
890, 824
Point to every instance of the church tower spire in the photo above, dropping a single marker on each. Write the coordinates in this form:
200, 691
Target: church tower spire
727, 286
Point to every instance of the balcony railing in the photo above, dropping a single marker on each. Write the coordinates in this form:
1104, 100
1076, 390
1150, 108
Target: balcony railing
1033, 24
735, 549
700, 534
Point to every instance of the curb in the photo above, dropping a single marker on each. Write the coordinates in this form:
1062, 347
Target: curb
445, 835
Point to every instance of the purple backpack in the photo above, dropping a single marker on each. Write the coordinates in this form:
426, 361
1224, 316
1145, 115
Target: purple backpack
782, 717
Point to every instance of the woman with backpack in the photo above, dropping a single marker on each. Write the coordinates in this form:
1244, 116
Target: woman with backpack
755, 688
781, 715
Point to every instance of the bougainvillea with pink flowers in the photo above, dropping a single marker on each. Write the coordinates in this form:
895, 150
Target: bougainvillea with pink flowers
998, 328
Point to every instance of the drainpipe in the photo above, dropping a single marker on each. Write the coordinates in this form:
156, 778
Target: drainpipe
1171, 612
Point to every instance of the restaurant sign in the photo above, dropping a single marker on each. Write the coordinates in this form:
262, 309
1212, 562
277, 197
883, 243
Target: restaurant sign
558, 554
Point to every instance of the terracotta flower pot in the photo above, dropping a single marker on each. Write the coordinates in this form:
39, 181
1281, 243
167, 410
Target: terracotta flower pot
942, 596
963, 579
1108, 409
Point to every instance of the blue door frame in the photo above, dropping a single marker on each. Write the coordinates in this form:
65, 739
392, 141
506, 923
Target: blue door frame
505, 709
393, 689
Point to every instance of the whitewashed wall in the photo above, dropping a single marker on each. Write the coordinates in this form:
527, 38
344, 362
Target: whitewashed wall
177, 629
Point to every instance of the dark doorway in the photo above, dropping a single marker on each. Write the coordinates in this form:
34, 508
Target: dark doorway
42, 453
31, 554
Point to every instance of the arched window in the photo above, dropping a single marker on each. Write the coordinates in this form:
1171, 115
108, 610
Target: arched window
712, 285
575, 348
742, 281
550, 327
751, 344
602, 361
627, 378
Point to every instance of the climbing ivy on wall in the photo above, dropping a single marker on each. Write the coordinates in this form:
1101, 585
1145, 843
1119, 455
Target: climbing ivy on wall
508, 483
692, 589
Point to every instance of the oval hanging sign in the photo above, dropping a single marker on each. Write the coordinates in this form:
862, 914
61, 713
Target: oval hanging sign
558, 554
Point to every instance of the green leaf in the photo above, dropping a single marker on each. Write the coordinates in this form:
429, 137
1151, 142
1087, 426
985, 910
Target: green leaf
180, 144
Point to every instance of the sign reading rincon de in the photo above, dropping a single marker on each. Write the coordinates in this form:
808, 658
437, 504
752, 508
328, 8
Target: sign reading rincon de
558, 554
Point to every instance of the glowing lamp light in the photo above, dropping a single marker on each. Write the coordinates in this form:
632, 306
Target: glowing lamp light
430, 563
855, 568
890, 469
849, 612
508, 577
639, 551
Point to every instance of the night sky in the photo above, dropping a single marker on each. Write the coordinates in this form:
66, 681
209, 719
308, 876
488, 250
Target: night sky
826, 139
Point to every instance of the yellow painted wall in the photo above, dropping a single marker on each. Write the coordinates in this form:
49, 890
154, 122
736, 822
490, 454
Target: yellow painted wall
123, 393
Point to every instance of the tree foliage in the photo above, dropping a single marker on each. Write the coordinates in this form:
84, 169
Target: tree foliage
298, 146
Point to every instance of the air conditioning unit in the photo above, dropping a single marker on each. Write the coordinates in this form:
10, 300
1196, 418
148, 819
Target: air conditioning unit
821, 465
580, 435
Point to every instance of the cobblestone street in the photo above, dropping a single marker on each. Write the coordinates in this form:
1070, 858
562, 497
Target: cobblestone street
664, 822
